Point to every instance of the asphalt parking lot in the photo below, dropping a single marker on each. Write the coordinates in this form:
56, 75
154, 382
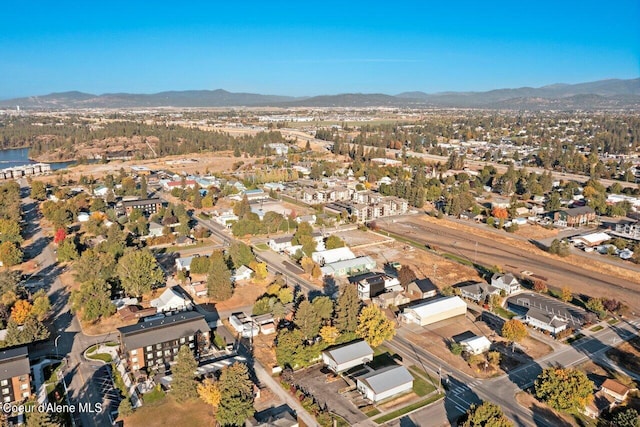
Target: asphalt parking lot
111, 396
575, 316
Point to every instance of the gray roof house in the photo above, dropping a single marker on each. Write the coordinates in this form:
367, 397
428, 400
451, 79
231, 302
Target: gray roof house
171, 300
545, 321
505, 282
347, 356
384, 383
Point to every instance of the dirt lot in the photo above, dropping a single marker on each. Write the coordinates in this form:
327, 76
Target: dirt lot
263, 350
440, 270
627, 355
245, 294
435, 339
598, 374
554, 417
536, 232
220, 162
355, 238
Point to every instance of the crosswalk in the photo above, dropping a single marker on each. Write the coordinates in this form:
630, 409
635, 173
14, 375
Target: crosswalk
464, 388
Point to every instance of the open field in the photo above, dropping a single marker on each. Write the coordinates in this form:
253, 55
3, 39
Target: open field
487, 248
167, 412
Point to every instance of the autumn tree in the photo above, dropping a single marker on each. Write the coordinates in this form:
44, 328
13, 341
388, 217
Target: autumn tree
539, 286
219, 286
500, 213
209, 392
329, 334
316, 272
566, 294
564, 389
183, 384
347, 310
486, 414
20, 311
10, 231
374, 326
514, 330
406, 275
41, 305
236, 395
60, 235
334, 242
10, 254
38, 190
240, 254
139, 272
259, 270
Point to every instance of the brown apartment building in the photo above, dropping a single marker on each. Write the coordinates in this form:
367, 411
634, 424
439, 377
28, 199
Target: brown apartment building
146, 206
156, 343
15, 374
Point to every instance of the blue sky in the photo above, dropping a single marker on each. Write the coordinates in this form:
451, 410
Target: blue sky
314, 47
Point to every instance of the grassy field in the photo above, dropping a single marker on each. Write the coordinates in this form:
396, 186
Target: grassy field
597, 328
166, 412
421, 387
105, 357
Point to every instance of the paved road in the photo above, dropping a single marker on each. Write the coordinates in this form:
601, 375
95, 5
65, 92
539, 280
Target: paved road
464, 390
487, 252
66, 337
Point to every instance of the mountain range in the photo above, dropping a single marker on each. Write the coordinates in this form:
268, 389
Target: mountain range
602, 94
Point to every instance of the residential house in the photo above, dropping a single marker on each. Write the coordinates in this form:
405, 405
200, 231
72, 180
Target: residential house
332, 255
371, 284
184, 241
476, 345
428, 312
477, 292
100, 191
391, 299
349, 267
242, 273
15, 374
155, 343
255, 194
244, 325
383, 383
146, 206
155, 229
615, 389
131, 312
279, 244
545, 321
184, 264
601, 402
281, 419
171, 300
226, 219
505, 282
346, 356
198, 289
187, 184
422, 288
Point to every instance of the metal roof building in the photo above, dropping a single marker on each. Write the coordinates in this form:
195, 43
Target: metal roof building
434, 311
347, 356
384, 383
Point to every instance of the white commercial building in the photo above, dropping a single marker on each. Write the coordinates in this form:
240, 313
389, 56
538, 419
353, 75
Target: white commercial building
347, 356
384, 383
434, 311
332, 255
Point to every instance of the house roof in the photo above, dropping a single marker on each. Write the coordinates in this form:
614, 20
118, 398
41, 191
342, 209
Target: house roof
425, 285
615, 387
543, 316
186, 261
243, 269
333, 255
348, 263
168, 297
386, 378
507, 279
168, 328
476, 342
582, 210
284, 239
348, 352
14, 362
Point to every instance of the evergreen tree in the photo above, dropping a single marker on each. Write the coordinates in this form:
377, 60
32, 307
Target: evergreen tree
236, 395
184, 384
307, 320
219, 286
347, 310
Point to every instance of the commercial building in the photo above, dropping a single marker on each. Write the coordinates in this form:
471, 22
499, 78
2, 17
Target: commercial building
384, 383
347, 356
156, 342
349, 267
146, 206
332, 255
15, 374
433, 311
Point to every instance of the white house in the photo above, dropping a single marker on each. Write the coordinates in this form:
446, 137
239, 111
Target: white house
476, 345
279, 244
171, 300
83, 217
346, 356
184, 264
434, 311
505, 282
244, 325
332, 255
545, 321
226, 219
384, 383
242, 273
155, 229
100, 191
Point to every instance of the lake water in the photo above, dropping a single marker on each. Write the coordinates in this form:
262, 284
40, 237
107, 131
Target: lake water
20, 157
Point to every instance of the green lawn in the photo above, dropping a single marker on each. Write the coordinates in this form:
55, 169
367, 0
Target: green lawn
597, 328
173, 249
421, 387
409, 408
154, 396
613, 321
105, 357
372, 413
504, 313
261, 246
112, 344
92, 348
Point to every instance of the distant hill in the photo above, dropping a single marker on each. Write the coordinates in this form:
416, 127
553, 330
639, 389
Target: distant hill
612, 93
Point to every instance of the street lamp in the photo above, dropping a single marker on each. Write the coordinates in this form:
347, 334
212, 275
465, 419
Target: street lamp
55, 342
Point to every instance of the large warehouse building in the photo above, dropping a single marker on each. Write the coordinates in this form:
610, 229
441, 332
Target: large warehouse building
434, 311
